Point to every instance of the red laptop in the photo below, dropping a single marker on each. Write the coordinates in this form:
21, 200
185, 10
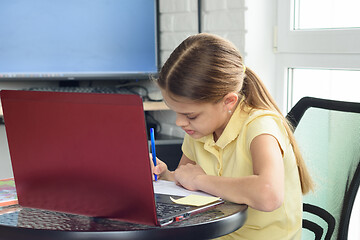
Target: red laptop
82, 153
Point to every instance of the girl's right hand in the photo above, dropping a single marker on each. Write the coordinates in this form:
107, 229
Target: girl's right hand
161, 169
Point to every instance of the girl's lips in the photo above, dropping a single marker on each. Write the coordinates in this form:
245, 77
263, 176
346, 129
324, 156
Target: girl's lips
190, 132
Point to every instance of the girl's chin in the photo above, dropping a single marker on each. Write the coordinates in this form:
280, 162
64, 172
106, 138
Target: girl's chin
196, 135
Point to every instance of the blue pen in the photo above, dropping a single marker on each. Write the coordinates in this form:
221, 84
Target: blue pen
152, 137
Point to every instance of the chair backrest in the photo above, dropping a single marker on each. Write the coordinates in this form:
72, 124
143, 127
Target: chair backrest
328, 134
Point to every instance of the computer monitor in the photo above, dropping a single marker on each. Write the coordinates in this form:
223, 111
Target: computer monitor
78, 39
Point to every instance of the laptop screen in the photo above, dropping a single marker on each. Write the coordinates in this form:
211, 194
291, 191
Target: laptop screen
80, 153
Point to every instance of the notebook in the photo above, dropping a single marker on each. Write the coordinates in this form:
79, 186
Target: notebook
84, 153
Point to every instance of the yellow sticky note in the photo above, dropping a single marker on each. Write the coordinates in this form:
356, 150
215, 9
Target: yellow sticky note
195, 200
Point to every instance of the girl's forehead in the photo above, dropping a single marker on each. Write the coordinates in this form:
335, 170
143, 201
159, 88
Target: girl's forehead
183, 105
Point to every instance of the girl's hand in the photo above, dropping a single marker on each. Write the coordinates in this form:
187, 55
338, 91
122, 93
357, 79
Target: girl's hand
186, 175
160, 169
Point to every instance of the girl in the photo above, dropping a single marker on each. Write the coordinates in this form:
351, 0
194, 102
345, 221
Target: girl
237, 145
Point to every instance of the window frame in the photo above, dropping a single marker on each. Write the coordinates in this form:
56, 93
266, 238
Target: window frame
313, 40
316, 49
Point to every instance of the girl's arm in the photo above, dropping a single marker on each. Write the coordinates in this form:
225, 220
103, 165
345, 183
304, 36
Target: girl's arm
264, 190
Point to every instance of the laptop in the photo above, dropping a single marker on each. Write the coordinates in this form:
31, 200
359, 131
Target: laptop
84, 153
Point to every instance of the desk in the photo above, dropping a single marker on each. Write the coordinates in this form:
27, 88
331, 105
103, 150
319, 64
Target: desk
17, 222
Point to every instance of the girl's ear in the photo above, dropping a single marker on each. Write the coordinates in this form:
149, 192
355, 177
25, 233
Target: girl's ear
230, 101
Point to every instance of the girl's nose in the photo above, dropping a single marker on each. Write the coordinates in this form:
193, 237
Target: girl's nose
181, 120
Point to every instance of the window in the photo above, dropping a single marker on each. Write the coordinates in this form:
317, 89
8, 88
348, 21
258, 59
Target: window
321, 26
317, 50
334, 14
323, 83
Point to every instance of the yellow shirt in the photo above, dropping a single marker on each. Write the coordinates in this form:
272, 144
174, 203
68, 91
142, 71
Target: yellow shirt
230, 156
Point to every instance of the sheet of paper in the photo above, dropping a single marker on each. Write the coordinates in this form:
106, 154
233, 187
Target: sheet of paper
170, 188
195, 200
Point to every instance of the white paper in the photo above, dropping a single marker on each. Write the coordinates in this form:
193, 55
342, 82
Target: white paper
170, 188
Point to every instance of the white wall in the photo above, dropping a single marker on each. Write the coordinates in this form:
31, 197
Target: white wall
260, 20
178, 20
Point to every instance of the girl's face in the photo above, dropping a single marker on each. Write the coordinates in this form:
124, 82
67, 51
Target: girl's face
199, 119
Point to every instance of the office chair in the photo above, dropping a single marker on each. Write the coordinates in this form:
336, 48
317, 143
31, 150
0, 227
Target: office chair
328, 134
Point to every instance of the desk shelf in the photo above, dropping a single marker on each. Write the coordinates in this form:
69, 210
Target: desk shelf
154, 106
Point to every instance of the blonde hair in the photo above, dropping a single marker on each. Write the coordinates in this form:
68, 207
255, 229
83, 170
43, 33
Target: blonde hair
205, 68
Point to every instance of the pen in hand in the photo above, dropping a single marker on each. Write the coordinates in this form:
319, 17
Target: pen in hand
152, 137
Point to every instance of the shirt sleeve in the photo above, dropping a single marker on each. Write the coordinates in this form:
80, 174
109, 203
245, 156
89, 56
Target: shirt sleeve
268, 124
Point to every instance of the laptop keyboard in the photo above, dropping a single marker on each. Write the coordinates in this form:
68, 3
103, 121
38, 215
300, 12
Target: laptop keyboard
84, 89
166, 209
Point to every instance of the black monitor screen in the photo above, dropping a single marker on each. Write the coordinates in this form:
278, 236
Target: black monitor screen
77, 39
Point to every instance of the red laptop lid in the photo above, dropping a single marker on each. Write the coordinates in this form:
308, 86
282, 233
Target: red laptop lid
80, 153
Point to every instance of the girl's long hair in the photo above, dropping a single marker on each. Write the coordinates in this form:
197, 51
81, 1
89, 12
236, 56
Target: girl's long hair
205, 68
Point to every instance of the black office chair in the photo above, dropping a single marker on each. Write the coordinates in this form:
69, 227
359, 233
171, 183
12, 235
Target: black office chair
328, 134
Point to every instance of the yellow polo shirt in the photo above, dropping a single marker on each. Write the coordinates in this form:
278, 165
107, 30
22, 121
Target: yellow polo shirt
230, 156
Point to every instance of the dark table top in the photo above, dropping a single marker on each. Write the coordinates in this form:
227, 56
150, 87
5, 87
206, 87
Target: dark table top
18, 222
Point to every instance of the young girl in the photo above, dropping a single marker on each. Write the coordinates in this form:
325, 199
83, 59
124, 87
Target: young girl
237, 145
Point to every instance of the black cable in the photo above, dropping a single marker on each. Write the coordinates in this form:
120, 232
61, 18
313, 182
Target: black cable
199, 15
153, 120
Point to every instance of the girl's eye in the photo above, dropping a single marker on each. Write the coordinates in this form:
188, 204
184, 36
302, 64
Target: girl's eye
191, 118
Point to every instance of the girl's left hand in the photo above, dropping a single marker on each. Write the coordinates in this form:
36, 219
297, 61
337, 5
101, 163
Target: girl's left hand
185, 175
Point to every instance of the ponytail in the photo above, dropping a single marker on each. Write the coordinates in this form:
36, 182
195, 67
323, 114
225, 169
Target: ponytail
257, 96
